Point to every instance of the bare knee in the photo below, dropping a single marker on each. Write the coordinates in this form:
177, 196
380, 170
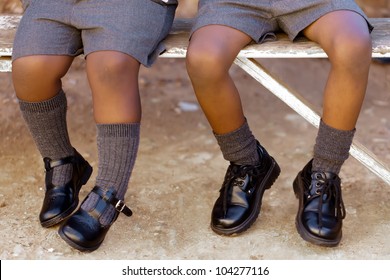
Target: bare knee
112, 69
37, 78
352, 51
206, 63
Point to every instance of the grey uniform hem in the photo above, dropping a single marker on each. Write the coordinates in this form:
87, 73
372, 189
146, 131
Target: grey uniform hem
71, 28
260, 19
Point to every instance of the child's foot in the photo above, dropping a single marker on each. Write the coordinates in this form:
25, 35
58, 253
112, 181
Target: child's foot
61, 201
239, 203
321, 208
83, 230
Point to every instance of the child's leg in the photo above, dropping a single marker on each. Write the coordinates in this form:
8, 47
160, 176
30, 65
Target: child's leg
37, 82
210, 55
113, 77
115, 46
345, 37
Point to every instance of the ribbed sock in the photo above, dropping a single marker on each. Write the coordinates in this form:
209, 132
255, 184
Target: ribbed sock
331, 148
117, 152
239, 146
46, 122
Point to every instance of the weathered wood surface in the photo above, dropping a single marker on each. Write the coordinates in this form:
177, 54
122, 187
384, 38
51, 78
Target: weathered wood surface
8, 25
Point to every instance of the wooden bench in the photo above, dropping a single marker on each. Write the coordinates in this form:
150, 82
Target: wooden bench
177, 43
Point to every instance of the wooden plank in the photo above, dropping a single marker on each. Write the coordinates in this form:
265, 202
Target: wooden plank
306, 110
8, 25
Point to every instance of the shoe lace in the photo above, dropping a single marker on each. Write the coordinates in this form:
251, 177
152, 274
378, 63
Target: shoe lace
325, 187
236, 176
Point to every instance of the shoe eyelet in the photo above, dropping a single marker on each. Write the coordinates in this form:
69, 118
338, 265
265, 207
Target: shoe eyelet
240, 183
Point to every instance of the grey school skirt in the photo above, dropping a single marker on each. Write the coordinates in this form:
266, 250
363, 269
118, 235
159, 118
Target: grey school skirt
259, 19
73, 27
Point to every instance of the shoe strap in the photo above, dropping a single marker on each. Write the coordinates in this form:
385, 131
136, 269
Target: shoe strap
108, 196
51, 163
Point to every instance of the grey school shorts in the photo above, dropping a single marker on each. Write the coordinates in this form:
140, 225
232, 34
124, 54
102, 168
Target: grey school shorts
73, 27
258, 18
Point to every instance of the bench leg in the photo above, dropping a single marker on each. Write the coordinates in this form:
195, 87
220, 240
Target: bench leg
304, 108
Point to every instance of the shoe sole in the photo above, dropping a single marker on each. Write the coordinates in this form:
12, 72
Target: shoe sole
269, 179
303, 232
58, 219
75, 245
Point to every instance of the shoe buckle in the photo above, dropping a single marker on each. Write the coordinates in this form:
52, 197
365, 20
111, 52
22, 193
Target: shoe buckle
120, 205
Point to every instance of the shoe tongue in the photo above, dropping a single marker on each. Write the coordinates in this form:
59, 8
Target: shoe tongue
330, 175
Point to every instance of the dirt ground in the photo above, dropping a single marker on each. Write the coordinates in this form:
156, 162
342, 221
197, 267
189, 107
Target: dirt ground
179, 171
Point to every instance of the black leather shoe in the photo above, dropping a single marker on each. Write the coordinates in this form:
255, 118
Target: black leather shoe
321, 208
61, 201
83, 231
239, 203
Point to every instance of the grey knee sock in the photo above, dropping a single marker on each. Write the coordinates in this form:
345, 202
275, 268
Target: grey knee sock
46, 121
117, 151
331, 148
239, 146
